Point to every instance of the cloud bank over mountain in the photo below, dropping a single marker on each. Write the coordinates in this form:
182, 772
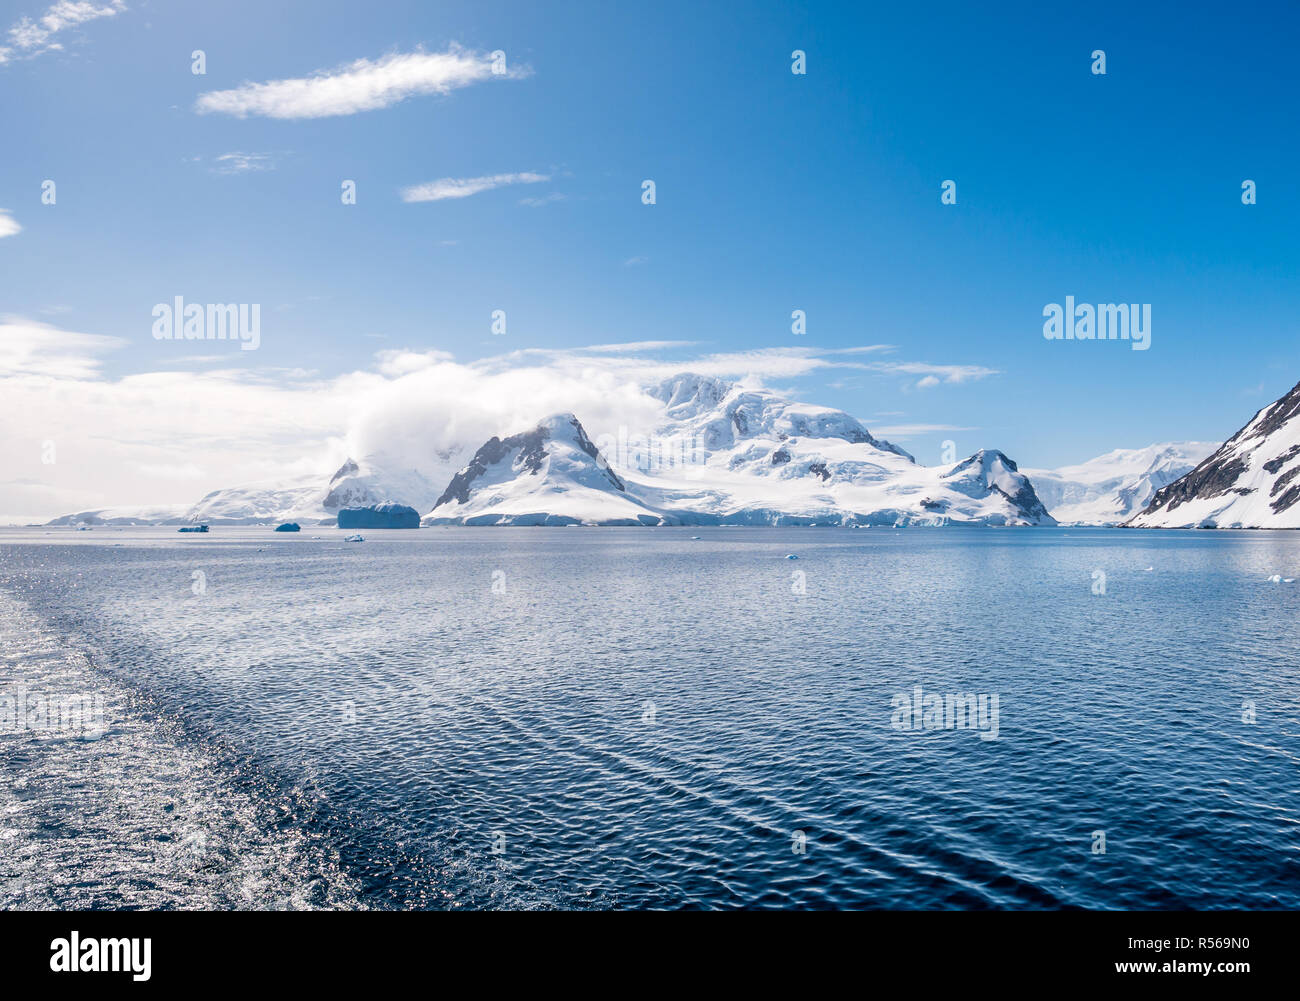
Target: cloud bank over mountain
200, 423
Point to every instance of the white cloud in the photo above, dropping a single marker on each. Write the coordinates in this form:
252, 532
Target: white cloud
401, 362
636, 346
28, 347
242, 163
358, 86
8, 225
902, 432
31, 38
755, 364
547, 199
463, 187
931, 375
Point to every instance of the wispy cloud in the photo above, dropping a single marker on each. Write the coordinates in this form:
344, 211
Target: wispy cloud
28, 38
362, 85
902, 432
242, 163
754, 364
634, 347
931, 375
29, 347
547, 199
463, 187
8, 224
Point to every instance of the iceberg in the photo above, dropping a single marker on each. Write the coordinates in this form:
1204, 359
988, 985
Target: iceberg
379, 516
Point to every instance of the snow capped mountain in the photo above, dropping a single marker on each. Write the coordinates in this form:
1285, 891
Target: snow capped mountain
1113, 487
171, 514
549, 475
745, 456
724, 454
1251, 481
306, 499
376, 481
252, 504
989, 475
721, 415
721, 453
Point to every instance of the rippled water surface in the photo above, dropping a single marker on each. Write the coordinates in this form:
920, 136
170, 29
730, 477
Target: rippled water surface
635, 718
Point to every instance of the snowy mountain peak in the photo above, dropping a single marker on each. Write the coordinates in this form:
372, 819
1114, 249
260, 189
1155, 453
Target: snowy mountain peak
991, 462
989, 471
550, 474
1115, 486
374, 481
349, 468
1251, 481
688, 395
722, 416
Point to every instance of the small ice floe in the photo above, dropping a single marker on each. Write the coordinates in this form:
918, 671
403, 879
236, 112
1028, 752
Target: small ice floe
1147, 569
1275, 579
355, 538
791, 556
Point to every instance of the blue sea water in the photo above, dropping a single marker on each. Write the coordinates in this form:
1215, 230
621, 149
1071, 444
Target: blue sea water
632, 718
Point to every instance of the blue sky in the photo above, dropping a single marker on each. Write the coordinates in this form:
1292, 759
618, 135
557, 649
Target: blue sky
775, 192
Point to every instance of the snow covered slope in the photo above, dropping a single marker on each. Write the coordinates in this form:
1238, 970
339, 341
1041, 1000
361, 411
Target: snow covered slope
255, 503
304, 499
723, 416
1251, 481
1113, 487
549, 475
173, 514
752, 457
376, 481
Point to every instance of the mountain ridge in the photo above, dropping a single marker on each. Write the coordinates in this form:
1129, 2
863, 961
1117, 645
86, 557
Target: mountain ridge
722, 453
1252, 480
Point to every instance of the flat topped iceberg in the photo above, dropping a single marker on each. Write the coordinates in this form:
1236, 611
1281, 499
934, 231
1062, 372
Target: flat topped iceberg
379, 516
